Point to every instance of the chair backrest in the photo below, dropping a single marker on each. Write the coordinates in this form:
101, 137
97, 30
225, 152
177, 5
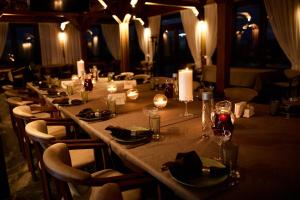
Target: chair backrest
23, 111
58, 163
37, 131
17, 101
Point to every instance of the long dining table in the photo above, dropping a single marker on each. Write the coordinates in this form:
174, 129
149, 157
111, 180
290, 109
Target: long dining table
178, 134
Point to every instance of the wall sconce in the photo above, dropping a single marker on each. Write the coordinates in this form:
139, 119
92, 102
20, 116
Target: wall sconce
103, 4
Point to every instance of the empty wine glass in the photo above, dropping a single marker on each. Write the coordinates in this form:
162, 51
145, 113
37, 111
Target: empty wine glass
221, 136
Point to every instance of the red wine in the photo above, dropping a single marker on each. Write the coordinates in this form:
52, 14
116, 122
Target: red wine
88, 85
223, 121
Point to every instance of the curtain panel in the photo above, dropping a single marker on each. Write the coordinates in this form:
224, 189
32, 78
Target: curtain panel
112, 38
154, 25
210, 16
284, 17
143, 41
3, 35
190, 25
53, 51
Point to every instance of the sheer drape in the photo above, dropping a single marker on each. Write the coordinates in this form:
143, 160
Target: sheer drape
154, 25
143, 41
210, 15
73, 45
124, 46
112, 37
3, 35
190, 25
52, 51
285, 21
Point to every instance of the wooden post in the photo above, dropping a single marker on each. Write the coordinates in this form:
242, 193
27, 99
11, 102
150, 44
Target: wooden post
224, 39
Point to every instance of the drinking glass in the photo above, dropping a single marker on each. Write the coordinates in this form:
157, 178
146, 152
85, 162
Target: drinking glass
154, 122
149, 110
230, 157
111, 105
84, 96
69, 89
221, 136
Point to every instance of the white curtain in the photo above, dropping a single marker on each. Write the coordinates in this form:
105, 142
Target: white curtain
3, 34
210, 15
154, 25
112, 38
284, 17
73, 45
190, 25
52, 50
142, 37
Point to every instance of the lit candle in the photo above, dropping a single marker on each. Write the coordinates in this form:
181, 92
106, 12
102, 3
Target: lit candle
185, 80
80, 67
111, 88
160, 100
133, 94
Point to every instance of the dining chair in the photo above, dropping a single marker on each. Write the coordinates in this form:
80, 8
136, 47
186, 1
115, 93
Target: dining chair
141, 78
89, 153
13, 102
290, 85
24, 114
74, 183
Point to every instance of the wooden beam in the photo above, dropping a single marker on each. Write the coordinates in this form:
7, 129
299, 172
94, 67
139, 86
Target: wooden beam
224, 39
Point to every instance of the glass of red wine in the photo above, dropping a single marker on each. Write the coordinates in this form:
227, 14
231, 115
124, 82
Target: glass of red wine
223, 116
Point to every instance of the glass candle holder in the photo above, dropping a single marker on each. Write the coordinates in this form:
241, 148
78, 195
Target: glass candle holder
111, 87
132, 94
160, 100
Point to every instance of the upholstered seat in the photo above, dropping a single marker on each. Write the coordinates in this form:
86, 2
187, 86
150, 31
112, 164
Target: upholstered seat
23, 115
25, 111
240, 94
38, 133
58, 163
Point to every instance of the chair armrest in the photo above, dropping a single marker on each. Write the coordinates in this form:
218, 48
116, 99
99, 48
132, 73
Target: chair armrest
125, 182
83, 143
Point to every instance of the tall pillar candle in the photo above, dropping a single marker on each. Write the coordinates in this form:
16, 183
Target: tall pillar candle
185, 79
80, 67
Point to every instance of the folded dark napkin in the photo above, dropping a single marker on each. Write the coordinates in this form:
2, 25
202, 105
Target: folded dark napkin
188, 166
89, 113
61, 100
126, 134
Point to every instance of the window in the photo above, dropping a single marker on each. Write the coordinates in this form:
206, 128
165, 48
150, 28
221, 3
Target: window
173, 51
97, 49
22, 45
254, 43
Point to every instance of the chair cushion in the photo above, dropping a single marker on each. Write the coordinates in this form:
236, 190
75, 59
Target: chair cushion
109, 191
133, 194
82, 157
57, 131
42, 115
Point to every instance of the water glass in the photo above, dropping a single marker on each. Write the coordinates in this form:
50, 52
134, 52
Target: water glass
70, 89
84, 96
112, 107
154, 121
230, 157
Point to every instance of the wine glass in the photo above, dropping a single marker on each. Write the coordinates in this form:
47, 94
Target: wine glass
221, 136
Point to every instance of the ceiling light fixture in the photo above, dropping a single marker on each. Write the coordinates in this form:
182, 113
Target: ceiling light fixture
193, 8
103, 4
133, 3
117, 19
127, 18
63, 25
